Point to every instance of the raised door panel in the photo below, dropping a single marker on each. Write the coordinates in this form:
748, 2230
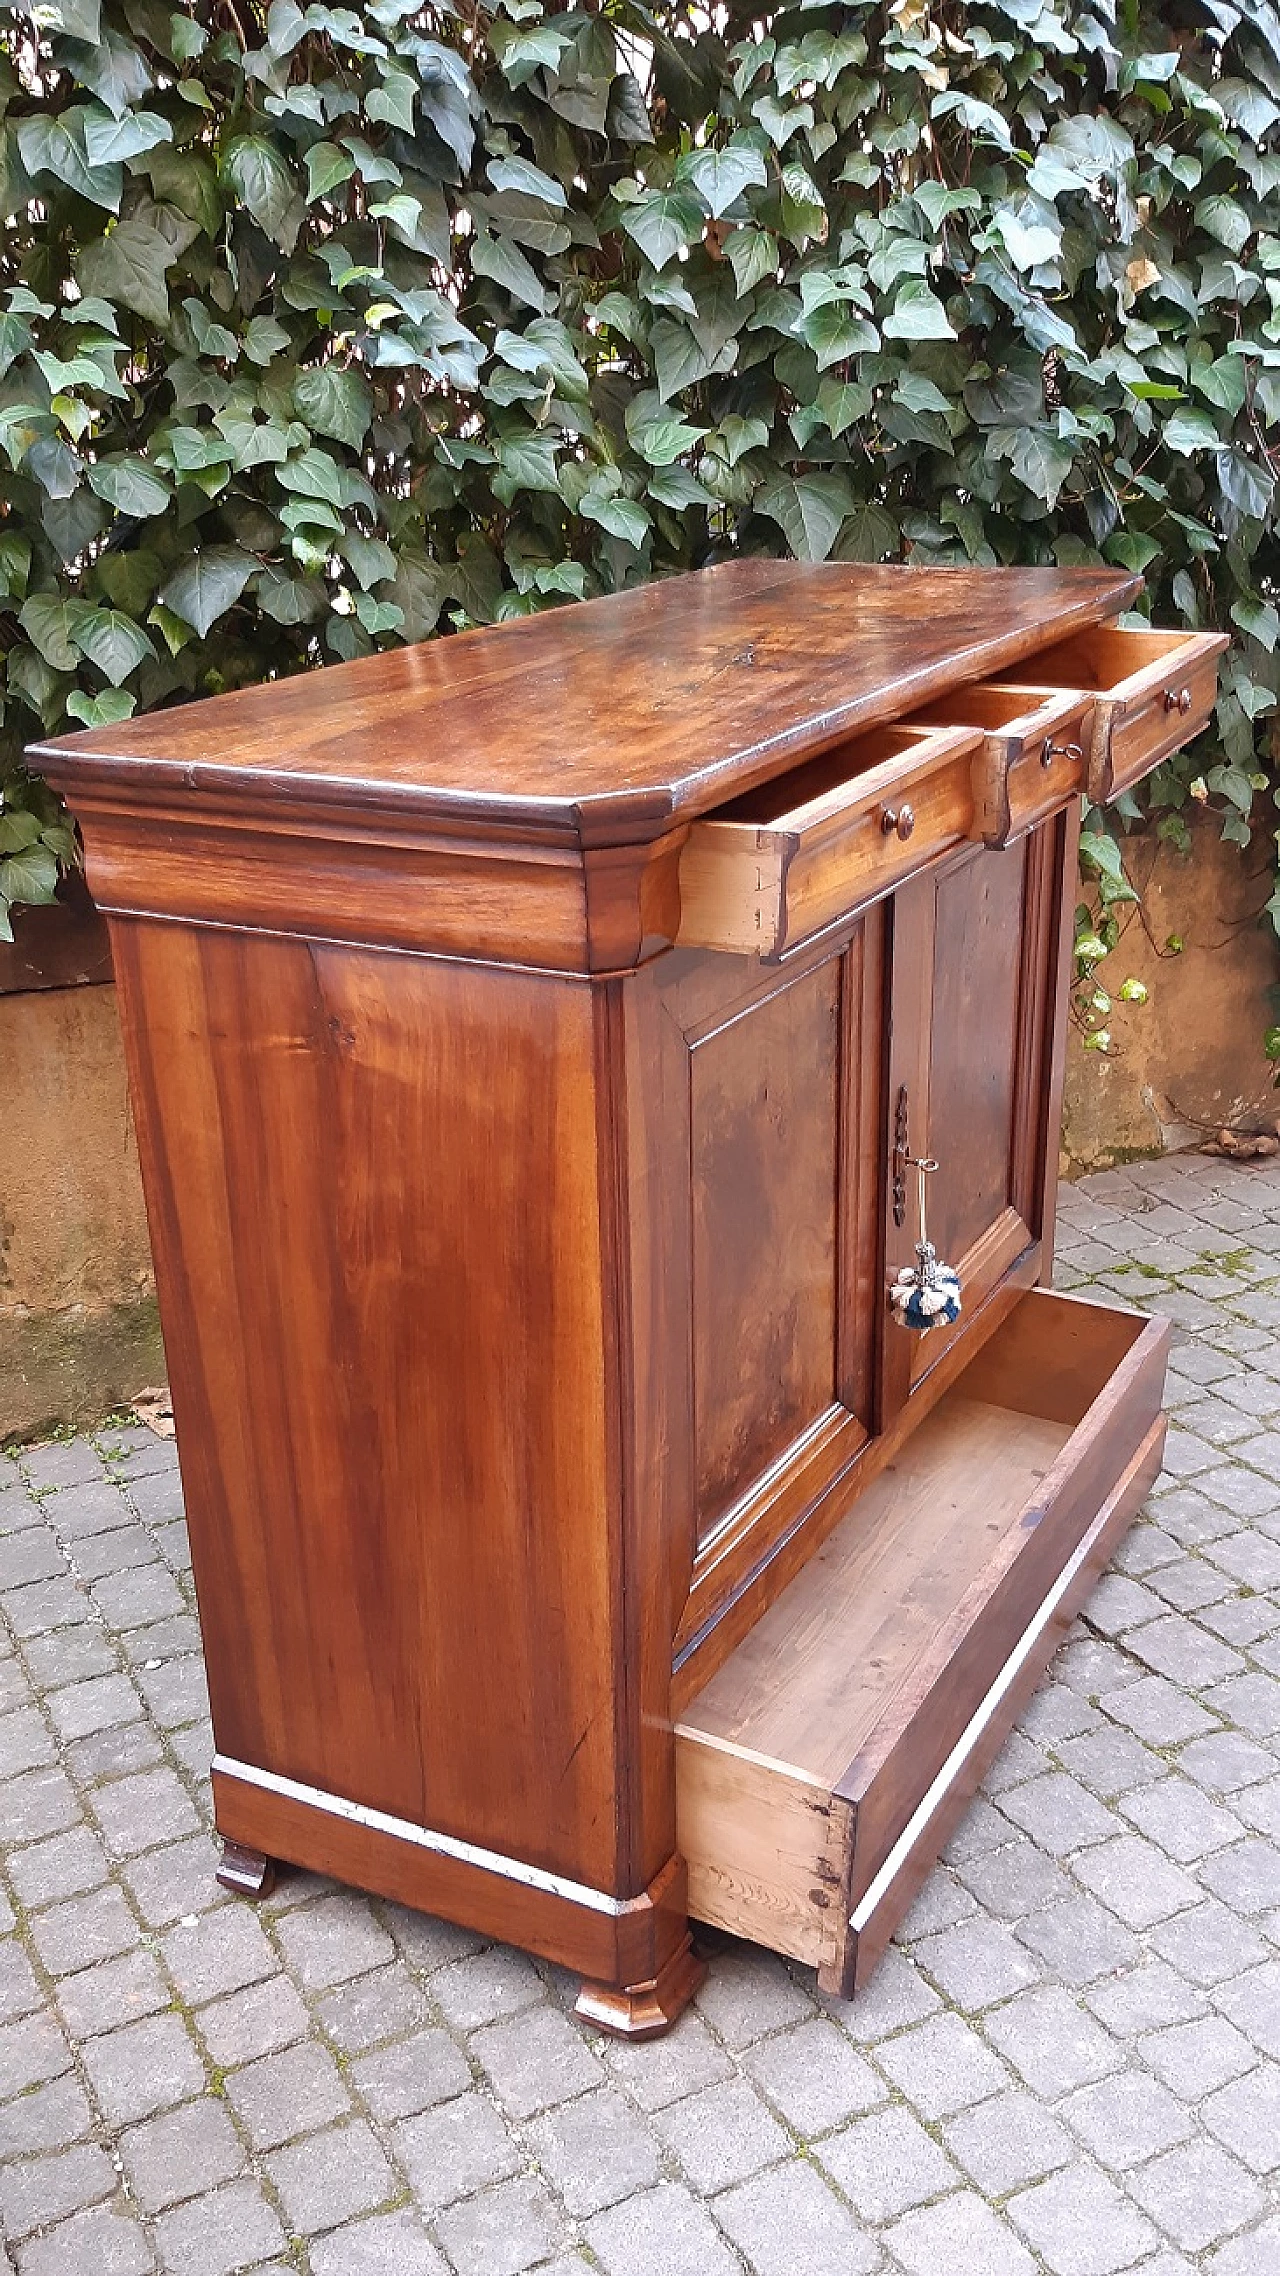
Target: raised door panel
753, 1131
974, 1010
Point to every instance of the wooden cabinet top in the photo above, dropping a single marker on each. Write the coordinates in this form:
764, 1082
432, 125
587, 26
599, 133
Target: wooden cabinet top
600, 723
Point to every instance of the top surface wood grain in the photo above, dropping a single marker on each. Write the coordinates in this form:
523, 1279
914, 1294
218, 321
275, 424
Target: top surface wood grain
598, 722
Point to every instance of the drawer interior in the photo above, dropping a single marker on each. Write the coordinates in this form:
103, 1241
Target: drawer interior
1102, 658
992, 705
797, 800
805, 1755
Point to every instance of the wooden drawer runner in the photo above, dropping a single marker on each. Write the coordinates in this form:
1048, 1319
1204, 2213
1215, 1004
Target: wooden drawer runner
801, 853
824, 1765
1152, 692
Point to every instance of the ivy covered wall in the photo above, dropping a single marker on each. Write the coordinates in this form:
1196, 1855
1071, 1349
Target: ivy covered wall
325, 328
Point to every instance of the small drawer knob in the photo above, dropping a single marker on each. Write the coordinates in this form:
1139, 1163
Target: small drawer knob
897, 818
1177, 699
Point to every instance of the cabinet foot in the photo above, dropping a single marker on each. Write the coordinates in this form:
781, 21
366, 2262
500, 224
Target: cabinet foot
644, 2011
246, 1871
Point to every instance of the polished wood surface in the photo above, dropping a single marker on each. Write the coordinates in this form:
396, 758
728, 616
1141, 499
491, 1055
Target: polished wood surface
523, 1212
597, 723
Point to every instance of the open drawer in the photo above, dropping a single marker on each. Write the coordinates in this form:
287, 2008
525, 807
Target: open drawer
1033, 753
824, 1765
1152, 692
802, 852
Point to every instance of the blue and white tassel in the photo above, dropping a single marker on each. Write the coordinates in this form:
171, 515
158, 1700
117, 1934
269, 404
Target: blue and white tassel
925, 1294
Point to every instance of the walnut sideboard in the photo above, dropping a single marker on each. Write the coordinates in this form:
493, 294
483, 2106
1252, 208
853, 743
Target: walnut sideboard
529, 1034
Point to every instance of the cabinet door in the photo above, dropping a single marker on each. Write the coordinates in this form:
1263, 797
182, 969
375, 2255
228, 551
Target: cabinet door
757, 1096
972, 1073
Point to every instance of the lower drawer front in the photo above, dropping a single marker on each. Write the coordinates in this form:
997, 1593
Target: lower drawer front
824, 1764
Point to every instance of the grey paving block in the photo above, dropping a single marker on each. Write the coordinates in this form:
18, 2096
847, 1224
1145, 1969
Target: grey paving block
101, 2242
814, 2077
1081, 2224
45, 2118
668, 2229
886, 2163
1199, 2194
1007, 2142
143, 1812
1178, 1817
142, 2069
1209, 1944
83, 1929
116, 1991
35, 2192
231, 2228
31, 2050
1058, 1814
182, 2154
330, 2177
411, 2075
1078, 1940
220, 1952
502, 2231
659, 2071
372, 2009
942, 2066
254, 2022
391, 2244
1053, 2041
961, 2232
1126, 2119
722, 2135
749, 1993
1245, 2118
978, 1962
1134, 1880
788, 2219
486, 1985
536, 2059
453, 2150
595, 2151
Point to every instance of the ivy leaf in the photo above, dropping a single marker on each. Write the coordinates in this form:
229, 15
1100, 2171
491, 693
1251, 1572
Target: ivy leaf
1258, 618
622, 517
808, 509
108, 140
334, 402
721, 176
258, 177
105, 709
1041, 461
663, 223
128, 266
528, 181
29, 876
207, 585
496, 257
264, 338
917, 314
132, 485
51, 147
327, 167
113, 642
49, 623
753, 255
1189, 431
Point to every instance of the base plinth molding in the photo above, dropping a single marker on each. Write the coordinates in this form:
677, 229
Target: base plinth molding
644, 2011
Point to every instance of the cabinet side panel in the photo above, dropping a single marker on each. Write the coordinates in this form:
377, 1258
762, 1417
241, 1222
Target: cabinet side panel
372, 1183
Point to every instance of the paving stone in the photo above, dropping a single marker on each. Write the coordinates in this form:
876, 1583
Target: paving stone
814, 2077
143, 2069
167, 1884
1252, 2003
412, 2075
142, 1812
330, 2177
978, 1962
101, 2242
282, 2096
222, 1952
595, 2151
20, 1994
451, 2151
1081, 2225
721, 2136
83, 1929
1126, 2119
536, 2059
886, 2164
1199, 2194
391, 2244
372, 2009
942, 2066
1052, 2040
113, 1753
747, 1994
659, 2071
669, 2229
1177, 1816
1007, 2142
1208, 1944
181, 2154
898, 1993
961, 2232
1058, 1813
502, 2231
61, 1462
230, 2229
1015, 1880
1135, 1880
1246, 1877
485, 1986
114, 1992
1078, 1940
1245, 2118
1257, 2254
1158, 1712
70, 1655
37, 2191
789, 2220
122, 1550
31, 2050
45, 2118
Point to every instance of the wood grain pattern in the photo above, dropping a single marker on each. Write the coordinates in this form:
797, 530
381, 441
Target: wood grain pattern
597, 724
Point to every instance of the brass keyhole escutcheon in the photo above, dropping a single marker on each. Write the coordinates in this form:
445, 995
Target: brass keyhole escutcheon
1177, 699
897, 818
1049, 751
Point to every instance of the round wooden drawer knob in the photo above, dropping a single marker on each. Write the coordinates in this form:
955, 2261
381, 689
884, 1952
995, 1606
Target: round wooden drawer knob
897, 818
1177, 699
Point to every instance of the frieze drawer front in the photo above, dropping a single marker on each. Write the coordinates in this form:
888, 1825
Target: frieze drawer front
1033, 753
1153, 692
787, 861
822, 1768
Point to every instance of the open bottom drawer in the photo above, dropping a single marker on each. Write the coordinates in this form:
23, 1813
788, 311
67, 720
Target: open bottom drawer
825, 1764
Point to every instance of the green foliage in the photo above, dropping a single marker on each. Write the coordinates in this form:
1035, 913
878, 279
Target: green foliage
326, 327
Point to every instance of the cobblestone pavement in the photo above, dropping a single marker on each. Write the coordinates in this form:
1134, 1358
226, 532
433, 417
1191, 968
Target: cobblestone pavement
1070, 2061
